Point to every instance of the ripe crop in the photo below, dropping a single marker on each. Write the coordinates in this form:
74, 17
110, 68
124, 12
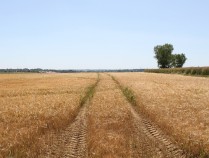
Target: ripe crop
178, 104
31, 105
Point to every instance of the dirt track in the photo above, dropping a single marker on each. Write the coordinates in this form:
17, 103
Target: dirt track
108, 126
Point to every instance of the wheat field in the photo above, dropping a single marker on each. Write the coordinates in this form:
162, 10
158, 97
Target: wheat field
178, 104
109, 122
103, 115
33, 104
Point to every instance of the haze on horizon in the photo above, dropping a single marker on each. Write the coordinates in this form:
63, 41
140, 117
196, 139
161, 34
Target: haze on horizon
101, 34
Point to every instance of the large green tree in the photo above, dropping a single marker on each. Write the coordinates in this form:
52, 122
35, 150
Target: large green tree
163, 54
165, 58
178, 60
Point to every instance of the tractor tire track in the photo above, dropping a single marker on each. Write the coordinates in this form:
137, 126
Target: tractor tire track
143, 145
114, 129
72, 141
165, 143
152, 141
148, 139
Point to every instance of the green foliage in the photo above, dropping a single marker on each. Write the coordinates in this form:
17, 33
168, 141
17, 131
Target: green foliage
89, 92
165, 58
200, 71
163, 54
205, 71
129, 94
178, 60
188, 71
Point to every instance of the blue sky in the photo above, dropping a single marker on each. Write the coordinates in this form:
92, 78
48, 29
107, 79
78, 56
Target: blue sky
100, 34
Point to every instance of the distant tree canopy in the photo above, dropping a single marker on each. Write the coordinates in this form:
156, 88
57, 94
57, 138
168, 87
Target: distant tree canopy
165, 58
38, 70
163, 54
178, 60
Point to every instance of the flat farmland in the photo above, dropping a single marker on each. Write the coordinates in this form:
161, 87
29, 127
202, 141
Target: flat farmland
178, 104
103, 115
33, 104
109, 126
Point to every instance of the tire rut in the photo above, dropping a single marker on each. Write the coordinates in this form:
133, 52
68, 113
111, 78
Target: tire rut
143, 145
165, 144
152, 141
72, 141
145, 139
148, 139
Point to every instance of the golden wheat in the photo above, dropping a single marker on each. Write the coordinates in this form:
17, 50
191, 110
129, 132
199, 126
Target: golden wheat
179, 104
109, 121
33, 104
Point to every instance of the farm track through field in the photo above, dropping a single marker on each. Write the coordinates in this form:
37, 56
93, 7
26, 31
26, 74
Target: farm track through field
72, 141
108, 126
149, 138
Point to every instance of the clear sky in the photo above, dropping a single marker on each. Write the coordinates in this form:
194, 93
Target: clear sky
100, 34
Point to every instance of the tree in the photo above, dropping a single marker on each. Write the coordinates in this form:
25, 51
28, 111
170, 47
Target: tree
165, 58
178, 60
163, 54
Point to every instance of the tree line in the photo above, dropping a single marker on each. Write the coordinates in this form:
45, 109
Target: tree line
38, 70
